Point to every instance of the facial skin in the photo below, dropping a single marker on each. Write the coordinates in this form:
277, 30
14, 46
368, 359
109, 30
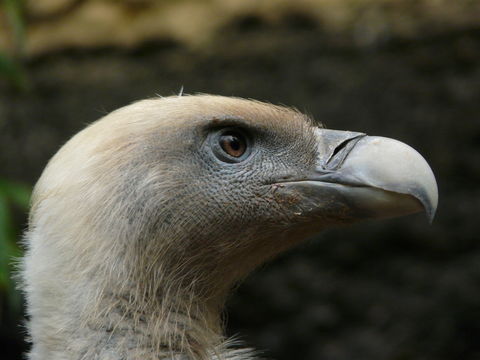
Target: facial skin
157, 210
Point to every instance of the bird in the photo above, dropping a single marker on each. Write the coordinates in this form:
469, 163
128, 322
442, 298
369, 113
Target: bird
143, 223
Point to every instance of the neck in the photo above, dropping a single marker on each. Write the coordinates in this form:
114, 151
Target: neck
112, 324
91, 311
104, 295
168, 326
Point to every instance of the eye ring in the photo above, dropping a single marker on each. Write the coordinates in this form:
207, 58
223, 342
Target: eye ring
231, 145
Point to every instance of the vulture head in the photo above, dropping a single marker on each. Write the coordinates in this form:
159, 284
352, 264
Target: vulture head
144, 221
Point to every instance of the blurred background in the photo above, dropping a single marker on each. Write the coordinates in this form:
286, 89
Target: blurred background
408, 69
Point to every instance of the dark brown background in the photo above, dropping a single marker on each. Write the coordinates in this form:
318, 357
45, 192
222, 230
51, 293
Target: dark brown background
398, 289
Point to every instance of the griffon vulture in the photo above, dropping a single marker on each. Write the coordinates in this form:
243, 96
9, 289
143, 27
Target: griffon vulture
144, 221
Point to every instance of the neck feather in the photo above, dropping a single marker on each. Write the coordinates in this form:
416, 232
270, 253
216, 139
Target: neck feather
100, 309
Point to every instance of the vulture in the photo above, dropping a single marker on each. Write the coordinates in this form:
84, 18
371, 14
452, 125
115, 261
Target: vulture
142, 223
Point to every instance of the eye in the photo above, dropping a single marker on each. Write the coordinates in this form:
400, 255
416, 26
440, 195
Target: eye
233, 144
230, 145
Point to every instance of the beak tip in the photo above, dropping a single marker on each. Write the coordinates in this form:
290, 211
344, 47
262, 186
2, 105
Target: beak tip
431, 210
431, 214
426, 193
429, 199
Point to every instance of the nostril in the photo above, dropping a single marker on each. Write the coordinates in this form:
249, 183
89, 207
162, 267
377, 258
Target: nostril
339, 148
340, 152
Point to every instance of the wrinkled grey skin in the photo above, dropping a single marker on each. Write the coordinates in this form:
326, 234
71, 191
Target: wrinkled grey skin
138, 230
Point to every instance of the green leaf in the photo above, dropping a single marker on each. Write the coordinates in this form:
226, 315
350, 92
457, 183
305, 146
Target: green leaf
10, 194
6, 245
17, 193
14, 12
13, 72
10, 66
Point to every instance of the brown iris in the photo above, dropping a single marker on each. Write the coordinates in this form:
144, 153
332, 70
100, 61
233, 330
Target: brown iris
233, 144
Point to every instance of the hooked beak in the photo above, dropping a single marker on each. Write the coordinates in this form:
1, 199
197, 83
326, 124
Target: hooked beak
359, 176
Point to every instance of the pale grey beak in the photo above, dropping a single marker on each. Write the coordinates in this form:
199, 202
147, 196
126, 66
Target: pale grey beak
359, 176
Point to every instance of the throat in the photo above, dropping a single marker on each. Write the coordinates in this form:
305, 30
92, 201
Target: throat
159, 329
114, 325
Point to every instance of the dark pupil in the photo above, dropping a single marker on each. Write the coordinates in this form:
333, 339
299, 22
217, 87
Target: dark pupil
232, 145
234, 142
